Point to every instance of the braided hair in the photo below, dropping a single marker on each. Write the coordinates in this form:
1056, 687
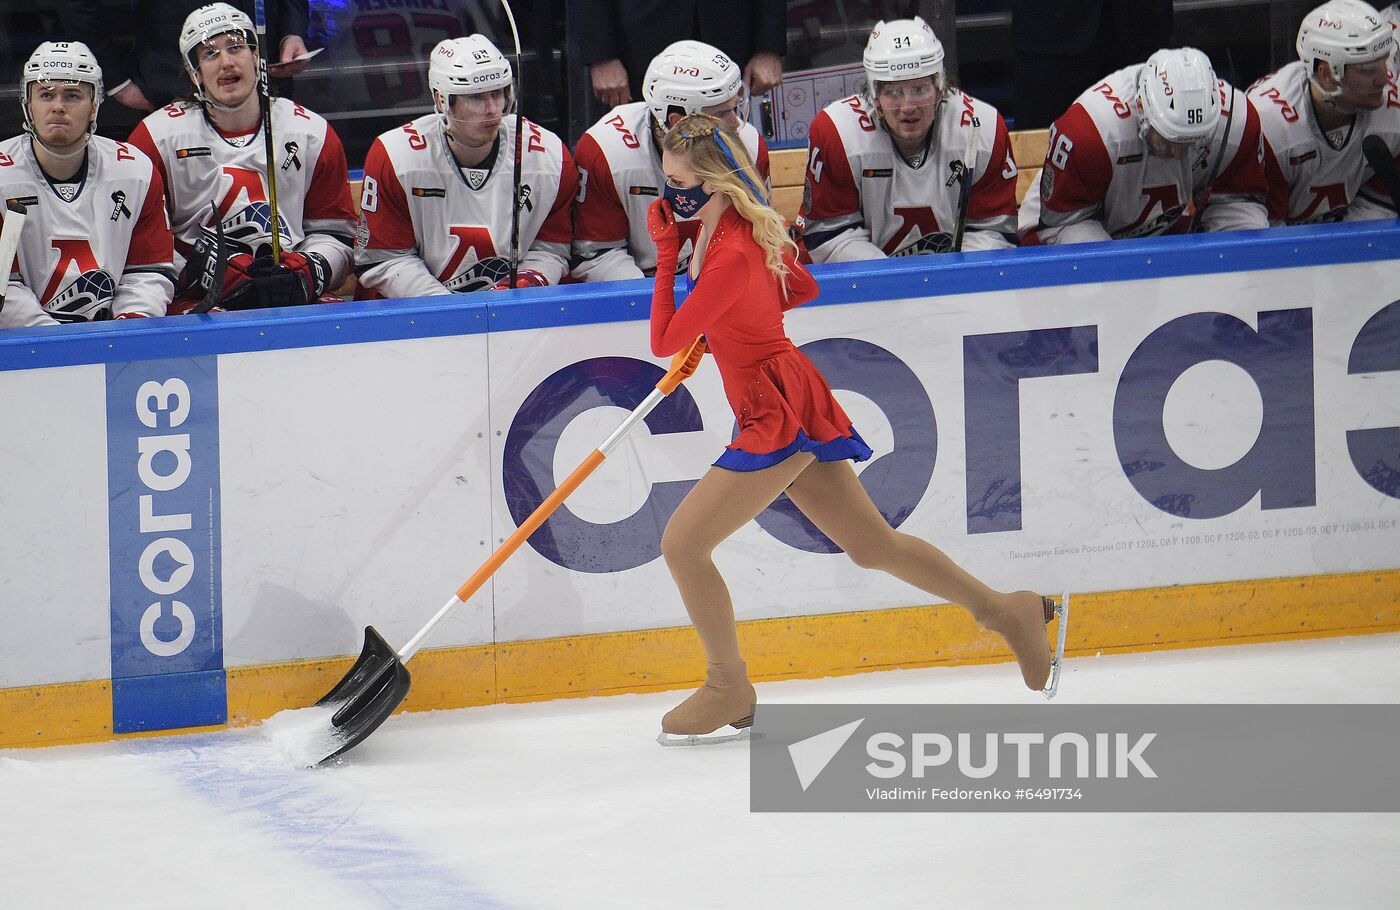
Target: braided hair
718, 157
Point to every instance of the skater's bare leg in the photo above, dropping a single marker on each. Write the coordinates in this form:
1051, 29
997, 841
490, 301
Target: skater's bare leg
717, 506
830, 494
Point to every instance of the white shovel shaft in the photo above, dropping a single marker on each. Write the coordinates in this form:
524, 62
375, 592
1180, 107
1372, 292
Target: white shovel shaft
636, 417
410, 649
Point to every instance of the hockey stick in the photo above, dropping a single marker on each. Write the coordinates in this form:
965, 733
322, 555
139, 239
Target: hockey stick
1199, 203
9, 244
968, 167
379, 681
214, 293
1378, 156
516, 201
260, 23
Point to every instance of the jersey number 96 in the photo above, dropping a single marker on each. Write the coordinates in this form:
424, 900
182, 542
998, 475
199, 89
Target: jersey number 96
1060, 147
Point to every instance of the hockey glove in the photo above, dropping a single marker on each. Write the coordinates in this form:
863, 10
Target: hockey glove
252, 284
313, 268
524, 278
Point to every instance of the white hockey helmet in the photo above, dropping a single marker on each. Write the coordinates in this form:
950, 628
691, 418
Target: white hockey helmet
691, 76
1341, 32
61, 61
900, 50
467, 66
1178, 95
209, 22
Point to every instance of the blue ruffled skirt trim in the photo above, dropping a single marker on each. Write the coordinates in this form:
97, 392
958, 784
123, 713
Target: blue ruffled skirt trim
838, 449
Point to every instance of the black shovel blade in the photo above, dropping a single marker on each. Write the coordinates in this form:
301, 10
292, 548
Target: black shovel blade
368, 694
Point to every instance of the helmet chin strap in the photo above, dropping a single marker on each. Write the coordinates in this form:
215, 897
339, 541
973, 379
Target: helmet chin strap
226, 108
81, 150
1329, 95
442, 109
933, 125
203, 95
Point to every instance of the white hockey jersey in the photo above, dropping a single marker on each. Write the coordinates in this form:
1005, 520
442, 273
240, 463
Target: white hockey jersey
428, 226
863, 200
104, 253
1313, 177
202, 167
1101, 181
620, 176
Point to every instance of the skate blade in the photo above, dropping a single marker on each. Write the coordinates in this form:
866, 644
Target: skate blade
727, 734
1061, 611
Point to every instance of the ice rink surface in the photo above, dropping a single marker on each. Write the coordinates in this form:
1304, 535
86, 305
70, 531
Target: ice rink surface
571, 804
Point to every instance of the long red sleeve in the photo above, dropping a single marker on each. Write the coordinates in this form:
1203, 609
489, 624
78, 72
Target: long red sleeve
725, 281
801, 286
737, 304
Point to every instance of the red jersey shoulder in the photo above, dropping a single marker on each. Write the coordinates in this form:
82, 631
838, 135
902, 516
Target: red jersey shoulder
127, 158
177, 119
1110, 97
1277, 96
298, 113
407, 140
853, 112
969, 110
175, 110
621, 132
539, 141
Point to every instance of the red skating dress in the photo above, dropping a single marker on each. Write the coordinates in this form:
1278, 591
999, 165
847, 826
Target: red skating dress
780, 400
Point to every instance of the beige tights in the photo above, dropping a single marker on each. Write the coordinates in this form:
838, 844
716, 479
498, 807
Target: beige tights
830, 494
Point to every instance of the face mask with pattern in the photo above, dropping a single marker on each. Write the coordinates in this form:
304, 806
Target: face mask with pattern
686, 203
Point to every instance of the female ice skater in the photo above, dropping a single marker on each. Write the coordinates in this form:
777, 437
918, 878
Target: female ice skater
793, 436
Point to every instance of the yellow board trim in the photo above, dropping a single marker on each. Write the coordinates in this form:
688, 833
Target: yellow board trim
1189, 616
61, 713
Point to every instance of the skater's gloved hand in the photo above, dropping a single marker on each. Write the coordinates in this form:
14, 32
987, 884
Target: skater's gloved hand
661, 225
524, 278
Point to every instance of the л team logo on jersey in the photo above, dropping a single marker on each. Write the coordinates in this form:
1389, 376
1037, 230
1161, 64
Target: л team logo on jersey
88, 294
87, 297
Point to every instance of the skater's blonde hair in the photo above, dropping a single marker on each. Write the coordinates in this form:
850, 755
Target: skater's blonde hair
719, 157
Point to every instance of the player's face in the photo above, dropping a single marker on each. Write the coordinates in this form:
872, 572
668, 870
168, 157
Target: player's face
61, 112
908, 107
1364, 85
228, 68
1161, 147
731, 113
475, 119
